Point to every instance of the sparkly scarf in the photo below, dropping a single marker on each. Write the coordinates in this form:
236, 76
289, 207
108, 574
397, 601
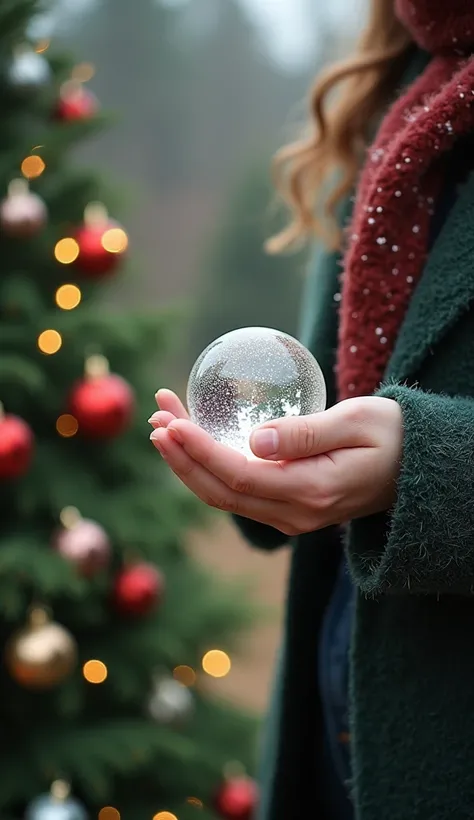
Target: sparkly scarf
398, 190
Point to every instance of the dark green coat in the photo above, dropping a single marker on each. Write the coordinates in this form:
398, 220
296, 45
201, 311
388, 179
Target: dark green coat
412, 665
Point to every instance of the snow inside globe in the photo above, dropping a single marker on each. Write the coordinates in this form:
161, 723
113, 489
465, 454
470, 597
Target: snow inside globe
250, 376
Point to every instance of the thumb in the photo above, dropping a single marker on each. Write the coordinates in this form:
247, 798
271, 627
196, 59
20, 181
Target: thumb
293, 437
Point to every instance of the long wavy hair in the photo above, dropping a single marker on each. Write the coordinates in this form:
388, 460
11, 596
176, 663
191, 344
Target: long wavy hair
345, 102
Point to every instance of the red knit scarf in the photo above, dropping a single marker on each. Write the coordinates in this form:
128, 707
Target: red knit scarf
398, 190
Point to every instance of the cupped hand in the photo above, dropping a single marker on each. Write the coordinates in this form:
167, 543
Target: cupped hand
311, 471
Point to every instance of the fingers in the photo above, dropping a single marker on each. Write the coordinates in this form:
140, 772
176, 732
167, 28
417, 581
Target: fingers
169, 402
252, 477
342, 426
211, 489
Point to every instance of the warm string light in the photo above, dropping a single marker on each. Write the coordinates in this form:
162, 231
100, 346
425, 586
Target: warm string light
216, 663
49, 341
68, 297
32, 166
114, 240
194, 801
66, 250
109, 813
67, 425
164, 815
83, 72
185, 675
42, 45
94, 671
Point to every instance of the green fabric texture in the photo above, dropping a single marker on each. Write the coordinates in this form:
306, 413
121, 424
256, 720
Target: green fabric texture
412, 660
434, 508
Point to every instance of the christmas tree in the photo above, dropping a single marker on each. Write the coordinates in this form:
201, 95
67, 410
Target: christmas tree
108, 626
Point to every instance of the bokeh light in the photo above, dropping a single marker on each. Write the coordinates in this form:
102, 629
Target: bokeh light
32, 166
216, 663
114, 240
49, 341
164, 815
94, 671
42, 45
83, 72
109, 813
185, 675
194, 801
66, 250
67, 425
68, 297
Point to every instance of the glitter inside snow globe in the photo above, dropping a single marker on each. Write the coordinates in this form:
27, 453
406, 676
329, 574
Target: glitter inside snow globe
250, 376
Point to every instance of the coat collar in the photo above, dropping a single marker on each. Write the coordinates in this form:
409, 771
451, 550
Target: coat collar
444, 292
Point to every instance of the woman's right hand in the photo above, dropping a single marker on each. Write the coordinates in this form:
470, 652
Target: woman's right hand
171, 408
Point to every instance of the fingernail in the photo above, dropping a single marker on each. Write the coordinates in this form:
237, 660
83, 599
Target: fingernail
155, 438
154, 419
264, 442
176, 435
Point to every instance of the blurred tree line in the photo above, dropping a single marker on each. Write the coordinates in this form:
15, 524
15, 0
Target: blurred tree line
201, 108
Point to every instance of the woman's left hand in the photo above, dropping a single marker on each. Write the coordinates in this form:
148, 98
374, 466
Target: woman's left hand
312, 471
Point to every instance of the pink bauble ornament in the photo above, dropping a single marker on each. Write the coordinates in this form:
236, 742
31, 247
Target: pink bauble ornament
82, 542
22, 213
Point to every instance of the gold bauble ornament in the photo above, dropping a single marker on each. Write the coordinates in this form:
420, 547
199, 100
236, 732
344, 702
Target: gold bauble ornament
41, 654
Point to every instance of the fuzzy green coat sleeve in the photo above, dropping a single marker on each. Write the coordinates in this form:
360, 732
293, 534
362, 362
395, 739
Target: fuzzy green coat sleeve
426, 544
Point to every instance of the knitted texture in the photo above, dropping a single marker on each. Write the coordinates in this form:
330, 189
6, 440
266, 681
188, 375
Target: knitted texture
434, 508
437, 25
398, 190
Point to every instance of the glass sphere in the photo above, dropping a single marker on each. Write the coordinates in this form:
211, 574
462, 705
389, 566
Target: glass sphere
250, 376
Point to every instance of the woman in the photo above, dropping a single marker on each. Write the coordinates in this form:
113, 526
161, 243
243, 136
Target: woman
393, 455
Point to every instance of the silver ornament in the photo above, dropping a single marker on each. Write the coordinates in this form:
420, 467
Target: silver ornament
46, 808
171, 701
57, 805
22, 213
251, 376
29, 70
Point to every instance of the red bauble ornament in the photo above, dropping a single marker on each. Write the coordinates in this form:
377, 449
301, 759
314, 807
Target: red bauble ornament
76, 103
16, 446
94, 260
237, 799
82, 542
138, 589
101, 243
102, 403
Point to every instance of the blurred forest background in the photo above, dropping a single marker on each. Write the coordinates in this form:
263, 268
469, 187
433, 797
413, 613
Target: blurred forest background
201, 104
199, 101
